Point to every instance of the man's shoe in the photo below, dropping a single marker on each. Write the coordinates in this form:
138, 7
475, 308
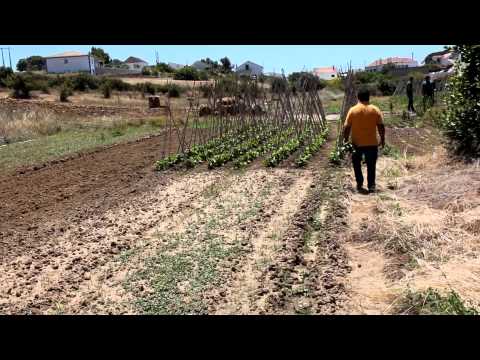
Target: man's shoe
371, 190
362, 190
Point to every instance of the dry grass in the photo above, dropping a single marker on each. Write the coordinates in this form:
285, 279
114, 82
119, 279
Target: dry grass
126, 99
16, 126
431, 214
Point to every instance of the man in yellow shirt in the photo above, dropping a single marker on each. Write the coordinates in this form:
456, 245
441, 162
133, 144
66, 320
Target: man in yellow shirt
362, 121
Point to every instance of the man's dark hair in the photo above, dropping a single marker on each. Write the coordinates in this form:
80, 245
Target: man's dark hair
363, 95
411, 78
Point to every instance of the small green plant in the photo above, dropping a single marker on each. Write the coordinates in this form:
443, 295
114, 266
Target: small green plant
391, 151
65, 92
173, 92
339, 152
149, 88
106, 90
117, 132
431, 302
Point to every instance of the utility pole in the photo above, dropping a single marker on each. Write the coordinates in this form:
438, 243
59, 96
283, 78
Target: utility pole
9, 57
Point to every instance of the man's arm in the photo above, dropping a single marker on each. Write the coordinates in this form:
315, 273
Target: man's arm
347, 126
381, 131
346, 132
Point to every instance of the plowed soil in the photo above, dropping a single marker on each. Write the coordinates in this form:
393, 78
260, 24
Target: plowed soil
102, 232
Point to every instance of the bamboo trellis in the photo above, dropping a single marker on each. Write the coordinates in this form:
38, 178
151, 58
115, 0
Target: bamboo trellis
238, 105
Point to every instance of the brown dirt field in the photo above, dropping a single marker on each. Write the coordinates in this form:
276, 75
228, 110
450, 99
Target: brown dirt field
102, 233
68, 224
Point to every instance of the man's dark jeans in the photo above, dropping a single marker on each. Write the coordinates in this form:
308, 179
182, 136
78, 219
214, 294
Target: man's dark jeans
410, 103
371, 154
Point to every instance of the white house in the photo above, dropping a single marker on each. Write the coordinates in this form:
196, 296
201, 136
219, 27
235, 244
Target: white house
249, 68
326, 73
135, 63
70, 62
398, 62
445, 60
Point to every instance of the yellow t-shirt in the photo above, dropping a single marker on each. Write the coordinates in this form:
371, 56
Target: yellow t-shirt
363, 120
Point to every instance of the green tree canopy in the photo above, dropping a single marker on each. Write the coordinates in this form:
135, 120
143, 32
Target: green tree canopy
462, 118
32, 63
100, 54
226, 65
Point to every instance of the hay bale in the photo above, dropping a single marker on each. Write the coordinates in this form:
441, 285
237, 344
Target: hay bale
153, 102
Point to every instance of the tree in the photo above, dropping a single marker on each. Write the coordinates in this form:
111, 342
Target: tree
22, 65
4, 74
164, 68
115, 63
100, 54
305, 81
32, 63
186, 73
462, 118
226, 65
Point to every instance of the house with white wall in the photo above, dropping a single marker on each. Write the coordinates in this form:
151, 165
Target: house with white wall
71, 62
135, 63
326, 73
398, 62
249, 68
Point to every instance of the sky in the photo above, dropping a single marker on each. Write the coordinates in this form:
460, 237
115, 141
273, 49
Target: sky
273, 58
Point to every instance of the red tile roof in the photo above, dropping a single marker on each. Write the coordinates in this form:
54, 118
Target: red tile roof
325, 70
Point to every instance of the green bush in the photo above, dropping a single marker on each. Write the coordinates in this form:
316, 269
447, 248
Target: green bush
56, 81
462, 118
4, 74
164, 68
106, 89
173, 92
149, 88
117, 84
20, 88
186, 73
83, 82
278, 85
65, 92
336, 84
386, 87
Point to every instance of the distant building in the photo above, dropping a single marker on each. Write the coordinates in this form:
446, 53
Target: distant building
135, 63
326, 73
72, 62
274, 74
200, 65
249, 68
397, 62
175, 66
444, 58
